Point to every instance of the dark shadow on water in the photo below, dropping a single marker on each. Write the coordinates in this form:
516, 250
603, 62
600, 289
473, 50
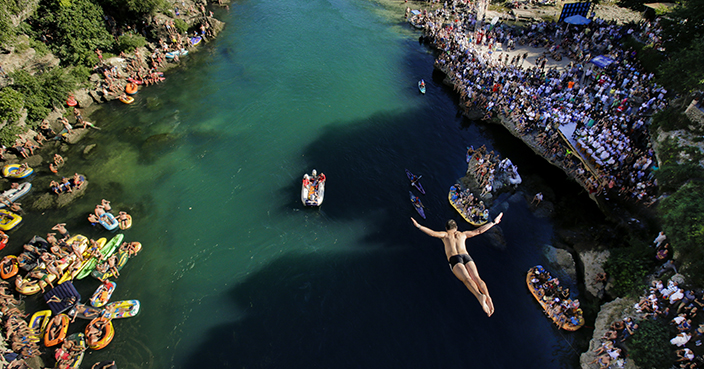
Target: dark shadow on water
320, 311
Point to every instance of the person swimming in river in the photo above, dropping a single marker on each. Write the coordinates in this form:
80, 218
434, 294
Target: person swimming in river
462, 265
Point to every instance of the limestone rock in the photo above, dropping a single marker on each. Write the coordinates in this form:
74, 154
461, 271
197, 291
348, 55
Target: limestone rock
50, 200
68, 197
561, 260
98, 98
544, 210
34, 161
88, 149
43, 202
610, 312
84, 98
593, 262
496, 237
76, 135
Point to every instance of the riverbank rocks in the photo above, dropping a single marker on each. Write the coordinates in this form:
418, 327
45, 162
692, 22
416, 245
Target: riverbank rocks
50, 200
593, 262
561, 260
83, 98
76, 135
496, 237
88, 149
610, 312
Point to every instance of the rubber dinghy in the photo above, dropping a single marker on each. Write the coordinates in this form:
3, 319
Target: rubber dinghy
570, 318
14, 194
313, 189
108, 221
474, 215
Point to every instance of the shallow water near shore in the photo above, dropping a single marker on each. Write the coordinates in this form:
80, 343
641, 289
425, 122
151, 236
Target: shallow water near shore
236, 273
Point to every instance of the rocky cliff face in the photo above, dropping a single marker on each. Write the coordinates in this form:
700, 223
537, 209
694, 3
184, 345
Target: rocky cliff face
610, 312
26, 9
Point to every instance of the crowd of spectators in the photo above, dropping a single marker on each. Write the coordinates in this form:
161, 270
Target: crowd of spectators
607, 107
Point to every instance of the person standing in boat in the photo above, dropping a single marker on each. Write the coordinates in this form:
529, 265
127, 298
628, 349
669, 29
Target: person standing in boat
462, 265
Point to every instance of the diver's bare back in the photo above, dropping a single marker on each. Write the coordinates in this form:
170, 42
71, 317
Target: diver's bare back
454, 242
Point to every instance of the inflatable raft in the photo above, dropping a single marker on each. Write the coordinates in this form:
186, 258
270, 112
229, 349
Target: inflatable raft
569, 322
106, 251
14, 194
8, 220
102, 294
56, 331
107, 333
79, 340
127, 224
109, 221
37, 324
313, 189
13, 171
127, 99
9, 267
123, 309
179, 53
131, 88
475, 216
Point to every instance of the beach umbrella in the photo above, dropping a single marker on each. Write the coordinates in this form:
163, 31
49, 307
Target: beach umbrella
577, 19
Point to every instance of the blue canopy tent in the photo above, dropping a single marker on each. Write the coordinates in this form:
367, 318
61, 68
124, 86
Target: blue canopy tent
602, 61
577, 19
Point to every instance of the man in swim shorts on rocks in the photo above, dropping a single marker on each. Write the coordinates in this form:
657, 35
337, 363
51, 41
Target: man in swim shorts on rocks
462, 265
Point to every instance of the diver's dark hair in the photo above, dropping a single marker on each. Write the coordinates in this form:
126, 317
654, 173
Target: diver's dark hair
451, 224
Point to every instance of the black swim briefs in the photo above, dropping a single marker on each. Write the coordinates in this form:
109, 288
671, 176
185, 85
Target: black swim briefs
457, 259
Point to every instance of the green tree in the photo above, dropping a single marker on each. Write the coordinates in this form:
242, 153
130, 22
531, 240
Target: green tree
628, 267
649, 346
78, 29
11, 104
682, 216
130, 41
683, 25
43, 91
683, 70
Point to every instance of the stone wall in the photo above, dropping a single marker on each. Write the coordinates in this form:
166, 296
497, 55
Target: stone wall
695, 113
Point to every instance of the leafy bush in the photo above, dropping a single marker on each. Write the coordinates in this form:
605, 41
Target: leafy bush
670, 119
628, 267
181, 25
11, 104
43, 91
649, 346
682, 216
683, 72
129, 42
8, 134
78, 30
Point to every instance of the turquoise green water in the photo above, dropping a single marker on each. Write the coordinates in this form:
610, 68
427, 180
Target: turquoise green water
236, 273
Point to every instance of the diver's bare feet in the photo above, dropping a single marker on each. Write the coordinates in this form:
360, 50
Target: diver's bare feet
490, 302
484, 301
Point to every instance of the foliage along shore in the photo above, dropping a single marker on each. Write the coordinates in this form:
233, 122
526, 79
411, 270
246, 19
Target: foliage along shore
53, 49
50, 50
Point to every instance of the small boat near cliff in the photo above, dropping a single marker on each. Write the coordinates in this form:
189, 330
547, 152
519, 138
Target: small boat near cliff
563, 311
474, 214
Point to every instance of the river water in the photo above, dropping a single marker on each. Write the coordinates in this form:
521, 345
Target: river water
236, 273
